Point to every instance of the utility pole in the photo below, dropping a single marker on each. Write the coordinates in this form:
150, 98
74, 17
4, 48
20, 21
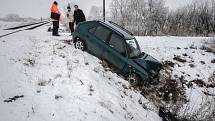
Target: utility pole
104, 10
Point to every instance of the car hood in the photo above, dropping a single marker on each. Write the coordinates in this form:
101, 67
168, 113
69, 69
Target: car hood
148, 63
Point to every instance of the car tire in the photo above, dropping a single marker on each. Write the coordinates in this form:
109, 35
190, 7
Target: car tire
133, 79
80, 44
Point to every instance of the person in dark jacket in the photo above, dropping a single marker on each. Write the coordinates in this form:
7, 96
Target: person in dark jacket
55, 16
78, 15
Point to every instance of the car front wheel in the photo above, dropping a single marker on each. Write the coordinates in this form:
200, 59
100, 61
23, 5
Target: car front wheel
79, 44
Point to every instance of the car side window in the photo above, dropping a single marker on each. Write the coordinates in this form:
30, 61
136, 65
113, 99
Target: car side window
117, 43
92, 30
102, 33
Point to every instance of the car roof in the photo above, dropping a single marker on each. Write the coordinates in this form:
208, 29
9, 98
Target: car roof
119, 30
123, 33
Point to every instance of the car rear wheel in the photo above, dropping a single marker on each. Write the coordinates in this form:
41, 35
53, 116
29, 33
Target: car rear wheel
80, 44
133, 79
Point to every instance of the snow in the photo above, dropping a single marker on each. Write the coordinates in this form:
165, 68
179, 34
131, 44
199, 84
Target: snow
165, 48
61, 83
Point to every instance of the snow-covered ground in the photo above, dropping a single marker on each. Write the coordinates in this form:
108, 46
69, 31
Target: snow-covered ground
196, 71
44, 78
53, 81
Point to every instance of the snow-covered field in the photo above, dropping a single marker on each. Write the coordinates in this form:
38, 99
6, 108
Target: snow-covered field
195, 72
44, 78
58, 82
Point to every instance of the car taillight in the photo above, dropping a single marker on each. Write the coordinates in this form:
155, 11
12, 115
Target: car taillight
77, 28
78, 31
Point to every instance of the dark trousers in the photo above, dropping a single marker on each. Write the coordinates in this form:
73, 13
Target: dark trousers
55, 27
71, 27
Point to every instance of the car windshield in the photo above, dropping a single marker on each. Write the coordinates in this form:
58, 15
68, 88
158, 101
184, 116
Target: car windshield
133, 48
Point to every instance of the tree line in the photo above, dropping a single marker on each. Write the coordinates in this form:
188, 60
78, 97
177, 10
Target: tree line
152, 17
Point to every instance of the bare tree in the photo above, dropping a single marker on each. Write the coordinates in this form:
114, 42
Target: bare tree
152, 17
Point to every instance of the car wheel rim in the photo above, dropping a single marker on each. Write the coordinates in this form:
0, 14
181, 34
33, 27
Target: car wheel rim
80, 45
132, 80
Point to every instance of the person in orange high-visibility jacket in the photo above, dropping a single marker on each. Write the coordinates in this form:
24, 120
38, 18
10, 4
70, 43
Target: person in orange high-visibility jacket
54, 8
55, 16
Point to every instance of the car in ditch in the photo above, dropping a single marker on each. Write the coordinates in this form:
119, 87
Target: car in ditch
116, 45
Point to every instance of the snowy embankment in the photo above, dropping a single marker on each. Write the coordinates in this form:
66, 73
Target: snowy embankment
193, 67
44, 78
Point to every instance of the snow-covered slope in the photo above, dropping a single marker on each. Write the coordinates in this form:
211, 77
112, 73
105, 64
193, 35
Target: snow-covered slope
44, 78
193, 67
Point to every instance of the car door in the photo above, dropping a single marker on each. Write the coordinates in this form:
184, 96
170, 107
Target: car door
115, 51
97, 37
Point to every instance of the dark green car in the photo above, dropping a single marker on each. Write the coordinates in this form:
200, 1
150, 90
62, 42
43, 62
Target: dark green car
108, 41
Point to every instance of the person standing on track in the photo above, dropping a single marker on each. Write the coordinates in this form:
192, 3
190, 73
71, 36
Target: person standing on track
69, 15
55, 16
78, 15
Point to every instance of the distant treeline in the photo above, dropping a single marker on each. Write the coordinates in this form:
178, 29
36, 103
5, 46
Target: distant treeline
152, 17
16, 18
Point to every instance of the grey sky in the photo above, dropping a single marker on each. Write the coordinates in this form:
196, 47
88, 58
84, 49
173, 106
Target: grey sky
40, 8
